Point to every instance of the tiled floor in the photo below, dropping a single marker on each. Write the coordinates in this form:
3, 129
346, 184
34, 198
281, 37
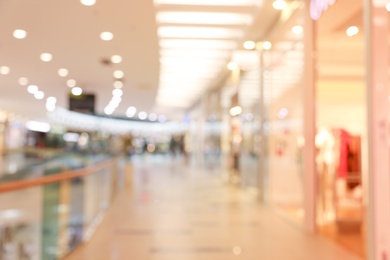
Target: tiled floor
174, 212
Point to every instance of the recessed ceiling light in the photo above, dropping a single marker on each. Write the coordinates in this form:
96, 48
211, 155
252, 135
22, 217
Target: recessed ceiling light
32, 89
249, 45
46, 57
39, 95
232, 65
118, 74
23, 81
152, 117
88, 2
71, 83
162, 118
267, 45
117, 92
51, 104
130, 112
5, 70
77, 91
50, 107
63, 72
51, 100
142, 115
106, 36
388, 7
108, 110
118, 84
209, 2
279, 4
297, 29
116, 99
116, 59
351, 31
20, 34
114, 103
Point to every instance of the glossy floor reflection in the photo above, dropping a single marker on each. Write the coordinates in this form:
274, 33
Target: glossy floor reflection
173, 211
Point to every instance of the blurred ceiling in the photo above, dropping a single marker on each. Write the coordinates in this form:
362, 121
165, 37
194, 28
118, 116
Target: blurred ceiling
170, 52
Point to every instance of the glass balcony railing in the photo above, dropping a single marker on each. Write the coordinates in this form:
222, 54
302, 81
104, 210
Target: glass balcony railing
52, 204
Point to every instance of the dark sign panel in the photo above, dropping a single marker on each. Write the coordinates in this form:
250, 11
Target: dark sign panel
85, 103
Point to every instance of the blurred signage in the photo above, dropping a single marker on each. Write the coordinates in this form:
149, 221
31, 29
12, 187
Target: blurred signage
85, 103
317, 7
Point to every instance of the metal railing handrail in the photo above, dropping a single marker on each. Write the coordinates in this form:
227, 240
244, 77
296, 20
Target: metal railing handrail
62, 176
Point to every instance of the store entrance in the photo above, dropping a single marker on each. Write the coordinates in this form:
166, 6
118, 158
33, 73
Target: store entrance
341, 125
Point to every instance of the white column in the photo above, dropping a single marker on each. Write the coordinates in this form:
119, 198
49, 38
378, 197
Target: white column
263, 140
377, 55
309, 112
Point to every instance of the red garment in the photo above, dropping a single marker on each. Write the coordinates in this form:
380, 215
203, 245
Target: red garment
344, 138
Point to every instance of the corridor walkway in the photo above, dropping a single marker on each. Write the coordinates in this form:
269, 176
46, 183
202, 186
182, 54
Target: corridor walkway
172, 212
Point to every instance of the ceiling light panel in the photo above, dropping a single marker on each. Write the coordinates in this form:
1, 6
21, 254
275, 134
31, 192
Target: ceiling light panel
185, 62
197, 49
209, 2
204, 18
170, 77
193, 53
185, 86
199, 32
197, 44
186, 72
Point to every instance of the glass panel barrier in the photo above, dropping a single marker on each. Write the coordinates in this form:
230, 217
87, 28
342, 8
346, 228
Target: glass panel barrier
47, 217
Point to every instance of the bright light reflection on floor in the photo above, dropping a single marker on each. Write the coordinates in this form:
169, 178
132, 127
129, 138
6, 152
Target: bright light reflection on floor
237, 250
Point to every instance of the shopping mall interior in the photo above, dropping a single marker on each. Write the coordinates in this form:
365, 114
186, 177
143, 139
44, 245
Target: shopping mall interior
194, 129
